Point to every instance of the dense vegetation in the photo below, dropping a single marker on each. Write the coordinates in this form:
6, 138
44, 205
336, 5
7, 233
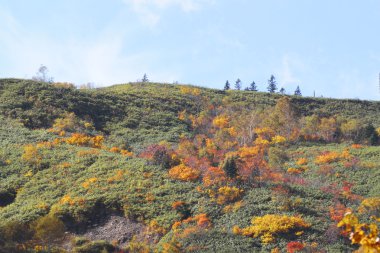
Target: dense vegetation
199, 170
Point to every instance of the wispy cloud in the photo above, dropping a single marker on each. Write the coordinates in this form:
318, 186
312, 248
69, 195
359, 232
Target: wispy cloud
150, 11
101, 60
289, 66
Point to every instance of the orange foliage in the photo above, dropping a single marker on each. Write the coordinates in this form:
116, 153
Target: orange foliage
337, 212
294, 171
88, 152
184, 173
356, 146
201, 220
115, 150
86, 184
214, 176
302, 161
85, 140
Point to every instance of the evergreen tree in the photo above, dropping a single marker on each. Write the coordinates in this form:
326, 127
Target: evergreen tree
145, 79
297, 92
227, 86
272, 84
238, 84
253, 86
229, 166
282, 91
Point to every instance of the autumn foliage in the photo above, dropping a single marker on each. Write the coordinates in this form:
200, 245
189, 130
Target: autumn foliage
270, 225
184, 173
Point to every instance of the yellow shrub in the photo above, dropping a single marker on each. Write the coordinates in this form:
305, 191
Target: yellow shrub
370, 205
278, 139
221, 121
329, 157
366, 235
294, 171
228, 194
32, 155
270, 225
89, 181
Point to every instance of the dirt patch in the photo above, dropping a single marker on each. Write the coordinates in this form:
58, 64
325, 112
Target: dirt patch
115, 229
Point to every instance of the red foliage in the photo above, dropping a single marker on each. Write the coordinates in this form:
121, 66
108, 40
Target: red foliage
292, 247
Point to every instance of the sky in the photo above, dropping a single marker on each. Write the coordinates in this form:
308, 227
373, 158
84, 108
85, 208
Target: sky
330, 47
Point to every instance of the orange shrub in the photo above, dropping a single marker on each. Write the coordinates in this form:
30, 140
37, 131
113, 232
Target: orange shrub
302, 161
356, 146
85, 140
214, 176
184, 173
115, 150
294, 171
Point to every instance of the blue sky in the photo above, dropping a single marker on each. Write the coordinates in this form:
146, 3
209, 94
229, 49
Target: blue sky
330, 46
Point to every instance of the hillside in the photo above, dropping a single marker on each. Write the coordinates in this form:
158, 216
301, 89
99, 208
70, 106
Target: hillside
149, 167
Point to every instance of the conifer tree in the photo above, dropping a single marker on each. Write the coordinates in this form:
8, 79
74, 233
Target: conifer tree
253, 86
297, 92
282, 90
238, 84
227, 86
272, 84
145, 79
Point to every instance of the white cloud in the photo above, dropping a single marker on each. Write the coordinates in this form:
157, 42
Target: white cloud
150, 11
286, 72
100, 60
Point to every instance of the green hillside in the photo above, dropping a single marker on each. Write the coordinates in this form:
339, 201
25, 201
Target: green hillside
189, 169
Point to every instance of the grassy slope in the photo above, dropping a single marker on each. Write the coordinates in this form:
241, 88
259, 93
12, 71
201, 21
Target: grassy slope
135, 115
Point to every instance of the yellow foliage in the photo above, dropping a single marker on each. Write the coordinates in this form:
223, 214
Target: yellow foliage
66, 200
294, 171
261, 141
264, 131
228, 194
182, 115
269, 225
327, 158
278, 139
184, 173
125, 152
233, 207
190, 91
232, 131
31, 155
118, 177
366, 235
248, 151
370, 205
302, 161
221, 121
28, 174
89, 181
85, 140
